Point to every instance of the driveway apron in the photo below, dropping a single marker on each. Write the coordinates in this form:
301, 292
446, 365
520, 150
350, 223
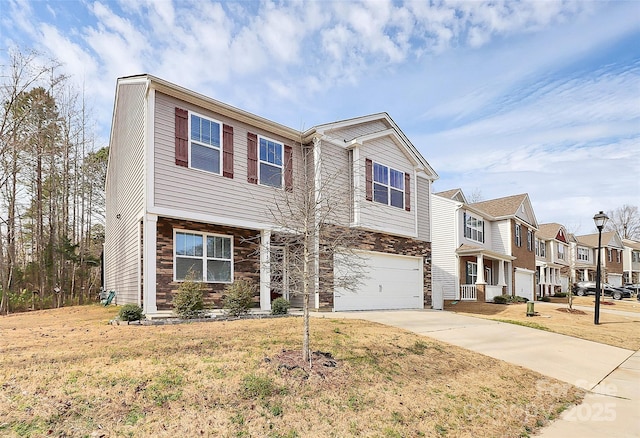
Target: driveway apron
611, 374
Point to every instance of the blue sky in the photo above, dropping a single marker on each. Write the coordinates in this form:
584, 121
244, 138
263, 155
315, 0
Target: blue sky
500, 97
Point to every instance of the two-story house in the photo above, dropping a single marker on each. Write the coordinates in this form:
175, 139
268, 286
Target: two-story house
583, 260
631, 261
483, 249
553, 259
194, 187
611, 256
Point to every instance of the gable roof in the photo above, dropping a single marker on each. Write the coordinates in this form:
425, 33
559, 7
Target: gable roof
631, 244
550, 231
609, 238
391, 130
455, 194
509, 207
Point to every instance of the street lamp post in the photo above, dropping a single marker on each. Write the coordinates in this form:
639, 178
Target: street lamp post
600, 219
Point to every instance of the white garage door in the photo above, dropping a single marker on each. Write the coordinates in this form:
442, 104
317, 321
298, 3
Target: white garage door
388, 282
615, 280
524, 284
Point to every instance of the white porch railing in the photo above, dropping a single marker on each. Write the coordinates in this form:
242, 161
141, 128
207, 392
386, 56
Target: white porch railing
468, 292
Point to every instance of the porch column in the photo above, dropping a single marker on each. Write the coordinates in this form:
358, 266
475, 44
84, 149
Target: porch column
585, 275
501, 280
480, 262
265, 270
149, 245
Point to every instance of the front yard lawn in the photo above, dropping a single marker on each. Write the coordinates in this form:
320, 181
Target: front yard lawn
65, 372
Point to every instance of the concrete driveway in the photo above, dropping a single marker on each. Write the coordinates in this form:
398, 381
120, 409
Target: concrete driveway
611, 374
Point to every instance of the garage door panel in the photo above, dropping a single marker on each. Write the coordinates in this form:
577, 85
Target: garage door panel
388, 282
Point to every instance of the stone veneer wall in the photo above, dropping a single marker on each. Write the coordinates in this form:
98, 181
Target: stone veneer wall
371, 241
246, 260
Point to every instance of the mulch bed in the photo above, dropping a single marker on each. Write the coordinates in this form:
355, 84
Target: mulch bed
290, 362
571, 311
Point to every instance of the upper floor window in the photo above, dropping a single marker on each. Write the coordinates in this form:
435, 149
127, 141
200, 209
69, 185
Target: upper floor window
560, 251
473, 228
542, 248
202, 257
518, 235
583, 254
204, 144
635, 256
619, 255
388, 185
529, 240
610, 252
271, 167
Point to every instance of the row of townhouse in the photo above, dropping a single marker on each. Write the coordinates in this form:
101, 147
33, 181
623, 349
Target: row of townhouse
496, 247
192, 184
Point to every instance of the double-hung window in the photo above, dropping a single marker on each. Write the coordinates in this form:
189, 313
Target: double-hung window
204, 143
271, 167
203, 257
610, 252
560, 251
619, 254
583, 254
472, 273
388, 185
473, 228
530, 240
542, 248
518, 235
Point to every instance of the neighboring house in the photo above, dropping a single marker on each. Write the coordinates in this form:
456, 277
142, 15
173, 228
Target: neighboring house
611, 257
553, 259
631, 261
583, 260
483, 249
192, 184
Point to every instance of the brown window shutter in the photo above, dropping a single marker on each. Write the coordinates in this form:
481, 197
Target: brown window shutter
252, 158
407, 192
227, 151
368, 175
288, 168
182, 137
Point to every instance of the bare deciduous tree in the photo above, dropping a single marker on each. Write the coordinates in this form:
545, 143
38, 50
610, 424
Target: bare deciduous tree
626, 221
311, 233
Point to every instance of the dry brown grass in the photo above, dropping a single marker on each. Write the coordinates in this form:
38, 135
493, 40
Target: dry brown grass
617, 330
66, 372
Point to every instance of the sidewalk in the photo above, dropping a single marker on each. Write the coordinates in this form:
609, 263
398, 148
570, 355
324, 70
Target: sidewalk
612, 374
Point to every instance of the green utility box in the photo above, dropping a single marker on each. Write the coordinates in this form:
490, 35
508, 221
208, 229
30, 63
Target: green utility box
530, 311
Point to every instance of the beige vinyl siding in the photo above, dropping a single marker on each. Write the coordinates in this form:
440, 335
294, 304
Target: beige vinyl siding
125, 194
335, 183
444, 269
201, 192
379, 216
423, 196
350, 132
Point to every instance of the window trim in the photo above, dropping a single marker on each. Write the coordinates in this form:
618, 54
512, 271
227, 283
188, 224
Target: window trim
468, 274
204, 257
388, 185
261, 161
584, 251
219, 148
478, 228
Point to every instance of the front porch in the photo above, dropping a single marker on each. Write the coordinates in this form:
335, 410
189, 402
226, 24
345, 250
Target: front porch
480, 292
484, 274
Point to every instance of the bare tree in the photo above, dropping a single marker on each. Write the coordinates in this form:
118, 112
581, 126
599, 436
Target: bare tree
626, 221
476, 196
310, 231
